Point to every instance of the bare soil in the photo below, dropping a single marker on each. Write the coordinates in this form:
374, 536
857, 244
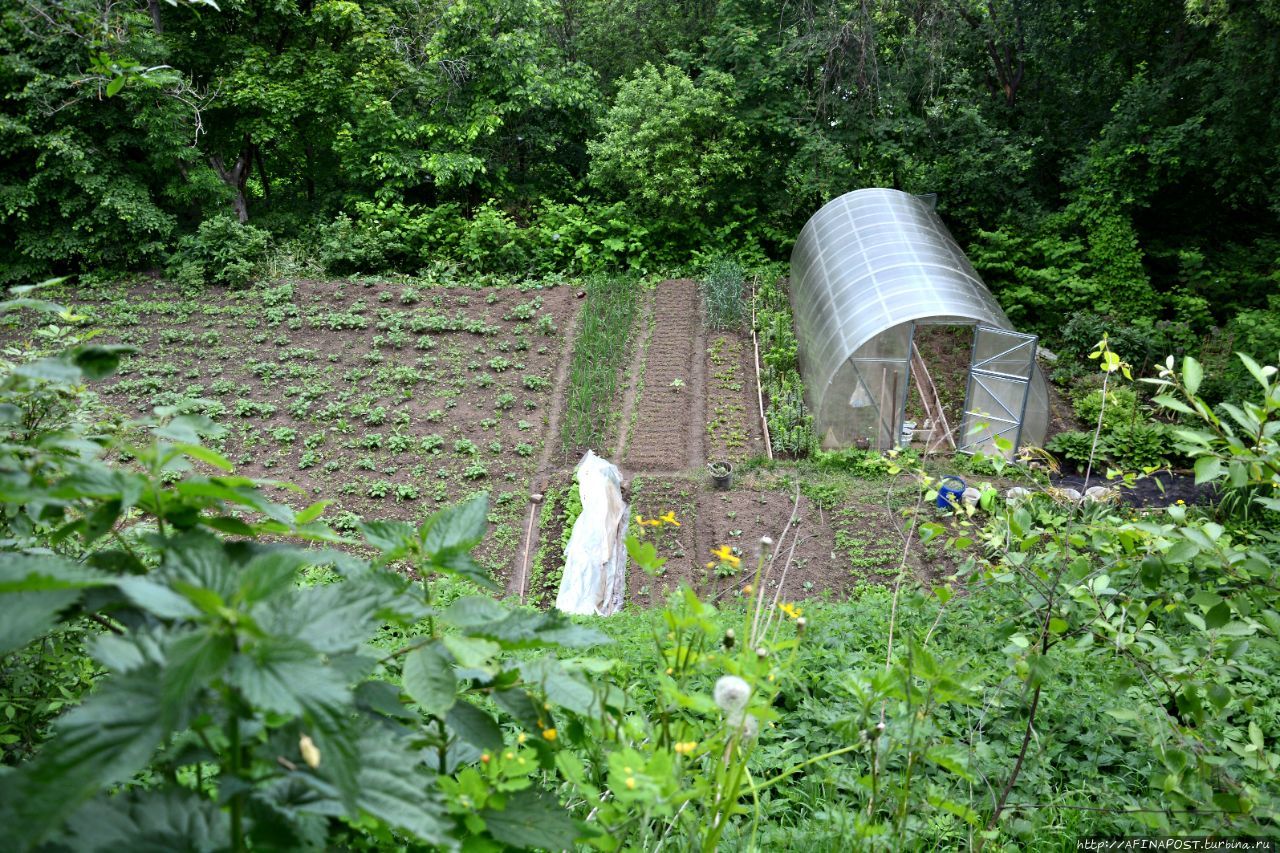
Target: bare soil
478, 397
669, 417
826, 551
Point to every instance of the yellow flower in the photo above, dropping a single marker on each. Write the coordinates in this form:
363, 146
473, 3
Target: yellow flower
648, 522
521, 738
549, 734
726, 555
711, 565
310, 753
631, 783
685, 747
791, 610
670, 518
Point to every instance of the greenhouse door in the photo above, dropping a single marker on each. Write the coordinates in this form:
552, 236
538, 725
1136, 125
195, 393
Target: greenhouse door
999, 379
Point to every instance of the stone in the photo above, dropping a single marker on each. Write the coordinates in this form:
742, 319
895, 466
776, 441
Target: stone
1099, 494
1017, 493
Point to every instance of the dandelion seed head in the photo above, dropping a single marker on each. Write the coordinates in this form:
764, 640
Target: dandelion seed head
731, 694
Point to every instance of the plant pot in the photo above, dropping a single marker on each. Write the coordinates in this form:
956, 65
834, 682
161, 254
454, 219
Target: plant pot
721, 475
950, 493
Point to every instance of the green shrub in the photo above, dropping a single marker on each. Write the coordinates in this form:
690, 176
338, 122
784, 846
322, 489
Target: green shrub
1122, 406
1141, 345
222, 251
1071, 447
578, 238
494, 242
671, 145
1136, 446
346, 248
1253, 331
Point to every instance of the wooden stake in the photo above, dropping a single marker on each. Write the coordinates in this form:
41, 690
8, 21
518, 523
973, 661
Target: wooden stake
524, 567
755, 345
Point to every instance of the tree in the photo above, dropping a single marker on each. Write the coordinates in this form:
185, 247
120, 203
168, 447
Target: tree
672, 146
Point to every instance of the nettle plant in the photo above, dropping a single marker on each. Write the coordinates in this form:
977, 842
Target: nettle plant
236, 707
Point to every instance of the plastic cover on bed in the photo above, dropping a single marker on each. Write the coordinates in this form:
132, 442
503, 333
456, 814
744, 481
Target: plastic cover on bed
595, 560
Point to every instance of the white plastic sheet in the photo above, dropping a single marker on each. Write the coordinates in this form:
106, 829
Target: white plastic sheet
595, 560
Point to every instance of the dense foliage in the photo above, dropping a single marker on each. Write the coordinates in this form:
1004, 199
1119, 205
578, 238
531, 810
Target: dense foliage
188, 662
237, 677
1104, 162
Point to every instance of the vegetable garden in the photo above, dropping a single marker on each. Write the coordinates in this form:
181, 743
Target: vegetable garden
814, 653
336, 293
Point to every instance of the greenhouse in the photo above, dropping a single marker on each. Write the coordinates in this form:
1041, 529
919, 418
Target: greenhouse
867, 271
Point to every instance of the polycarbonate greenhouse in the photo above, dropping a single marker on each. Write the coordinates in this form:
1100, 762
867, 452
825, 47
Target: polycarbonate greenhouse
867, 269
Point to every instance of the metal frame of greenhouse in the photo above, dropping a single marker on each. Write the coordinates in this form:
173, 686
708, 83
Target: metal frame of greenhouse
867, 269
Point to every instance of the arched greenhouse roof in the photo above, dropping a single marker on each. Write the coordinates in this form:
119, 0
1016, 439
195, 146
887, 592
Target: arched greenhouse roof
866, 267
871, 260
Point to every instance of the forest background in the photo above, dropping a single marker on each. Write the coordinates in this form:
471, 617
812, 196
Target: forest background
1107, 163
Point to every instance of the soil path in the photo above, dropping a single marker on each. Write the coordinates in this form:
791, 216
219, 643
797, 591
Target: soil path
550, 451
559, 392
670, 423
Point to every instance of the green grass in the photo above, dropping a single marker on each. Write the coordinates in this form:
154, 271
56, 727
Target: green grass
722, 294
598, 354
1081, 760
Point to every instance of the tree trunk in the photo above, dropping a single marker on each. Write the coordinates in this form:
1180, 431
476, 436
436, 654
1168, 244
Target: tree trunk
236, 177
153, 6
1005, 45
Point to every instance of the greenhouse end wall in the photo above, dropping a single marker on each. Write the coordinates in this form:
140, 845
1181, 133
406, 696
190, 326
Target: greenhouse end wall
865, 268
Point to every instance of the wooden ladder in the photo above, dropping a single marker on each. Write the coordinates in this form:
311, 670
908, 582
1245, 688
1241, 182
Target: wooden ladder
932, 405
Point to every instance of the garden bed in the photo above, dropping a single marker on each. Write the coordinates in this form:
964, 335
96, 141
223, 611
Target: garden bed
394, 400
839, 547
669, 412
390, 399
